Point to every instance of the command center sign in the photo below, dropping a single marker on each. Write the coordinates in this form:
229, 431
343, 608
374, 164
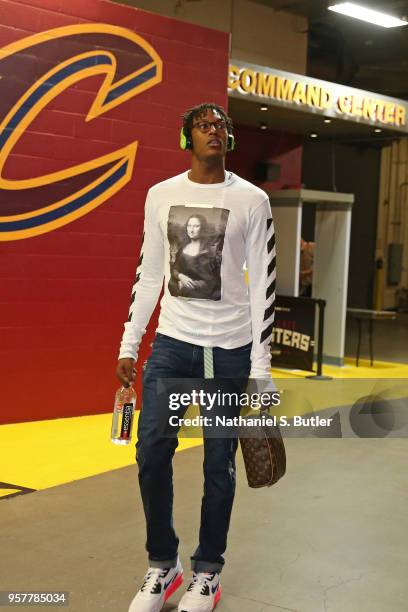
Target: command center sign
293, 335
302, 93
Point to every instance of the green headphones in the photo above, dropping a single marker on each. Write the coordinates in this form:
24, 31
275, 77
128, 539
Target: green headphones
186, 143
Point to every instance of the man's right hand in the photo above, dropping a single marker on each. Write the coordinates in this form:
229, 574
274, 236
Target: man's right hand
125, 371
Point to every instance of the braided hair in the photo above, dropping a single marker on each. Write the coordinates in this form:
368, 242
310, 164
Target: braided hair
198, 111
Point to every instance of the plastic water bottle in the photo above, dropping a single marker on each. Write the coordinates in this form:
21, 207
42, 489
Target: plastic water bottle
122, 419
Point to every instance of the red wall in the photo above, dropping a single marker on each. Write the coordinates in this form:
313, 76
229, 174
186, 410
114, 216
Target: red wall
254, 146
64, 294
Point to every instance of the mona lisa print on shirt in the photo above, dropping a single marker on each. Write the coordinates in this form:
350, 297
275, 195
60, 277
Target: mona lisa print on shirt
196, 237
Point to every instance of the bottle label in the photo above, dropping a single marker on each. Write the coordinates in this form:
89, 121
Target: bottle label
126, 421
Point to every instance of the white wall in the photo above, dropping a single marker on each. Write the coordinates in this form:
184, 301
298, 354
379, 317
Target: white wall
260, 34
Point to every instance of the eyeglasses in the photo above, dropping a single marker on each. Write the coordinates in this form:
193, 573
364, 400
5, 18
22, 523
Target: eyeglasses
205, 126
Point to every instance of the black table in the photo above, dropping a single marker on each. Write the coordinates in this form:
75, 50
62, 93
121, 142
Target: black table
361, 314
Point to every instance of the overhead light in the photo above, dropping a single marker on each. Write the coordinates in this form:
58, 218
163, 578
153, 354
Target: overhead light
313, 135
327, 120
263, 126
366, 14
377, 130
264, 108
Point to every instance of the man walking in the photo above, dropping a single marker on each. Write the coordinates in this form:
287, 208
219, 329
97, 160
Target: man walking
200, 228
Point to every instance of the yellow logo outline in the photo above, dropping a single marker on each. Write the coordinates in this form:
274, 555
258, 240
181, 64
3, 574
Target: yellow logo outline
47, 218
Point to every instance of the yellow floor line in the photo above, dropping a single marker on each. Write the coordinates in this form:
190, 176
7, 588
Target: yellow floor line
8, 492
43, 454
380, 369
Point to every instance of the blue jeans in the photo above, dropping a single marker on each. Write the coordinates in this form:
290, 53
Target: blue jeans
173, 358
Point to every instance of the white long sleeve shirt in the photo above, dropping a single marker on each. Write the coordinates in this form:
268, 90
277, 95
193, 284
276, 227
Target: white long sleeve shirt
198, 238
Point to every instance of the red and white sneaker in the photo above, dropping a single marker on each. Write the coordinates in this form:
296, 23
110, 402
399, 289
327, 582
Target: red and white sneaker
158, 585
203, 593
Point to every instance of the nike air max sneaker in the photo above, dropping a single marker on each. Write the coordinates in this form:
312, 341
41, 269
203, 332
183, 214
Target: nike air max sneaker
203, 593
158, 585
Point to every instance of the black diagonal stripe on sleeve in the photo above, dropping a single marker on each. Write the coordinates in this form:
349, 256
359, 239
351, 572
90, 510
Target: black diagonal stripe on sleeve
272, 266
269, 312
268, 223
270, 289
266, 332
132, 297
271, 243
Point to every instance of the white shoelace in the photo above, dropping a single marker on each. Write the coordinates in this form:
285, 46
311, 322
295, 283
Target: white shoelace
152, 578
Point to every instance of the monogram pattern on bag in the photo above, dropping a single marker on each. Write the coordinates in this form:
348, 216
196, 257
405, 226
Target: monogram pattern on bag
264, 457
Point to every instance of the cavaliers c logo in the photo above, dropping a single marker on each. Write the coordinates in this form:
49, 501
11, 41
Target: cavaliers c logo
33, 71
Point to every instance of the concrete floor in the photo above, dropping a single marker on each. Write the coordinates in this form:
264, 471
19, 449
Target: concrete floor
332, 536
